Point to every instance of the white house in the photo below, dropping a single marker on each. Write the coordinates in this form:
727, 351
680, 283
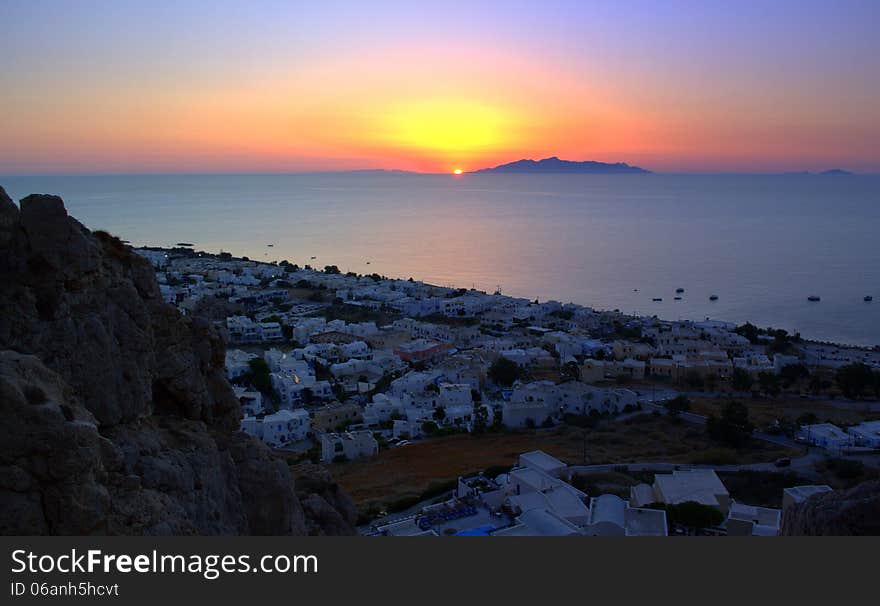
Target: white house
242, 329
538, 459
288, 363
271, 331
237, 362
611, 516
251, 400
351, 445
700, 485
866, 434
381, 409
279, 428
828, 436
748, 520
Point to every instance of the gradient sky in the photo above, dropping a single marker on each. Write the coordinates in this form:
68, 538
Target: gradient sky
190, 86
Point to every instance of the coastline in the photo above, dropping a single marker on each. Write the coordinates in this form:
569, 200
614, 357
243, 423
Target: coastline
225, 256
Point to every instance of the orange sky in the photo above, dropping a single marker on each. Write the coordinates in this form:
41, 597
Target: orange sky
288, 90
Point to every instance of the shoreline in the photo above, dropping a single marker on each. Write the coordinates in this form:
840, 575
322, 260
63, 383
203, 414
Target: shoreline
226, 256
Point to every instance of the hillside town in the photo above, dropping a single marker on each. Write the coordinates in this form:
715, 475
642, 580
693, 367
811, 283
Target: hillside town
337, 367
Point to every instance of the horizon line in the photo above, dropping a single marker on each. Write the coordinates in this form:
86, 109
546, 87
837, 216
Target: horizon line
219, 173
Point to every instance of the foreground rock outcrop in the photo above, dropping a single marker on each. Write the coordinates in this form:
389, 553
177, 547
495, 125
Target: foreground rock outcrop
117, 416
853, 512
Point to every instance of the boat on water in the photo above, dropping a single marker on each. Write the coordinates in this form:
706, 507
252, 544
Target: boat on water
713, 297
814, 298
677, 298
679, 290
868, 298
657, 299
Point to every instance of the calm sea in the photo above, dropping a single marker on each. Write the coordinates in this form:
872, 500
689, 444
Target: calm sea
763, 244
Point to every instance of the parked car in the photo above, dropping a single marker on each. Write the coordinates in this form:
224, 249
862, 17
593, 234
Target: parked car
783, 462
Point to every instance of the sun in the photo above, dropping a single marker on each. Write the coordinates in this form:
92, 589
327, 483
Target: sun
457, 171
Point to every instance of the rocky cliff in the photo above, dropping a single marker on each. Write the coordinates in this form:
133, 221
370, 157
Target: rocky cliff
117, 416
853, 512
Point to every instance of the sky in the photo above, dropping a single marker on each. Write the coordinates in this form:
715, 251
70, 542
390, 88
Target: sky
123, 86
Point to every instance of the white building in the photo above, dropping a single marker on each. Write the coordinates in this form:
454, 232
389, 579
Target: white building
288, 363
279, 428
382, 409
350, 445
237, 363
828, 436
748, 520
798, 494
540, 460
700, 485
294, 390
251, 400
611, 516
242, 329
271, 331
866, 434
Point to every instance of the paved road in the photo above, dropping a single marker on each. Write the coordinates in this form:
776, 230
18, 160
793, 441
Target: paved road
803, 465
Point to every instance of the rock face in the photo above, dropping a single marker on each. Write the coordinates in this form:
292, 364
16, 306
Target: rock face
117, 415
839, 513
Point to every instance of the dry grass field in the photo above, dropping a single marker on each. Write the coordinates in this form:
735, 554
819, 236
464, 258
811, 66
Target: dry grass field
406, 471
764, 411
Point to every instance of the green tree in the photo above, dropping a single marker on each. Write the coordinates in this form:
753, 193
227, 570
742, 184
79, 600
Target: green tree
258, 375
677, 405
570, 371
504, 372
733, 427
769, 383
741, 380
481, 418
792, 373
854, 379
749, 331
694, 515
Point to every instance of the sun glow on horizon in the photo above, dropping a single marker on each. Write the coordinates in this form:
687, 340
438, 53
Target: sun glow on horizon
312, 88
457, 171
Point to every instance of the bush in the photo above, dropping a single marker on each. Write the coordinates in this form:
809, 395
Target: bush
435, 489
493, 471
403, 503
846, 469
677, 405
694, 515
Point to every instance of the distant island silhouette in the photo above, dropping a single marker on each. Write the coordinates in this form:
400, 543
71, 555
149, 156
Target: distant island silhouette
835, 172
555, 165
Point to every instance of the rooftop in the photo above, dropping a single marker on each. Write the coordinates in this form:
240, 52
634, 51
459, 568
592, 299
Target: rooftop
700, 485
